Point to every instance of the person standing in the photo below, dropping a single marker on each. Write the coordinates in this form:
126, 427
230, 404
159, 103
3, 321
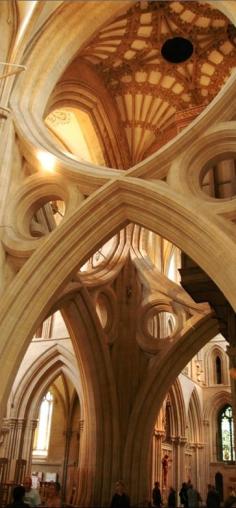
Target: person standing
193, 497
18, 496
156, 495
213, 498
183, 495
32, 497
120, 498
53, 499
231, 499
172, 498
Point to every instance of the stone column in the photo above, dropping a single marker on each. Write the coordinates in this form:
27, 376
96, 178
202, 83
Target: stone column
14, 443
80, 481
199, 467
207, 456
3, 437
178, 461
156, 455
193, 477
28, 443
68, 434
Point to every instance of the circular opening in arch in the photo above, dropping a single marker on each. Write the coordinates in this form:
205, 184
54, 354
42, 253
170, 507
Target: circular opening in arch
47, 217
177, 50
219, 179
161, 324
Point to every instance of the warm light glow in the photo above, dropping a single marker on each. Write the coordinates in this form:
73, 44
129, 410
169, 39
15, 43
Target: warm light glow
47, 161
233, 372
75, 130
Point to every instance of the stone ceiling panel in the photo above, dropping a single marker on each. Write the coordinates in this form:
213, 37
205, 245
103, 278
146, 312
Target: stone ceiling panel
152, 85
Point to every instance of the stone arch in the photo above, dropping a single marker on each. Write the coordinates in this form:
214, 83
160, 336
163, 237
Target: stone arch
101, 413
155, 218
27, 395
217, 143
123, 208
136, 458
210, 359
76, 89
214, 404
39, 376
30, 117
194, 418
178, 408
117, 199
123, 212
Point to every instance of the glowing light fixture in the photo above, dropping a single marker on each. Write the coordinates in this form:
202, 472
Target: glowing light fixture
47, 160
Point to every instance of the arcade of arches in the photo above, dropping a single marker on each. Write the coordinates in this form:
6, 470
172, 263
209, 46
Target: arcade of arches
117, 260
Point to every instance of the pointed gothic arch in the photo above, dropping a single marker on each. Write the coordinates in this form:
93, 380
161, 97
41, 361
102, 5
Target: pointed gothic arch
194, 418
210, 416
178, 408
41, 374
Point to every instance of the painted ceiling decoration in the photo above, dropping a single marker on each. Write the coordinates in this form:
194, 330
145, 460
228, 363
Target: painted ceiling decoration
162, 63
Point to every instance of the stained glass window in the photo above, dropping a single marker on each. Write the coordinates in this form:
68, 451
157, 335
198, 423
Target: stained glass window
226, 432
42, 433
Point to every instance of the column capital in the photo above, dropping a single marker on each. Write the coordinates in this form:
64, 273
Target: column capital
179, 440
12, 422
159, 433
81, 425
33, 423
21, 422
199, 446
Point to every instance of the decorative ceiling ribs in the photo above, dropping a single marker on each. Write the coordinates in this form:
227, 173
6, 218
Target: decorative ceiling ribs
149, 90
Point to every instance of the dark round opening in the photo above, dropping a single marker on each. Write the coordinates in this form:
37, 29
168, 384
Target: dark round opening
177, 50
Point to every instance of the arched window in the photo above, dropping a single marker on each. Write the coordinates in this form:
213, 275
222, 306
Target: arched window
226, 434
218, 370
42, 433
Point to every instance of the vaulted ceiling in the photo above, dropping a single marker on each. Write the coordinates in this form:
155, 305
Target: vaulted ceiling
161, 63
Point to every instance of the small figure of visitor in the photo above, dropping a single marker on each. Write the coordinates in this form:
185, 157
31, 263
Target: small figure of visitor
213, 498
32, 497
53, 499
183, 495
230, 502
194, 497
156, 495
18, 498
120, 499
171, 498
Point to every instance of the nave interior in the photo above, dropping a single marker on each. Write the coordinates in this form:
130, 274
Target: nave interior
117, 252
